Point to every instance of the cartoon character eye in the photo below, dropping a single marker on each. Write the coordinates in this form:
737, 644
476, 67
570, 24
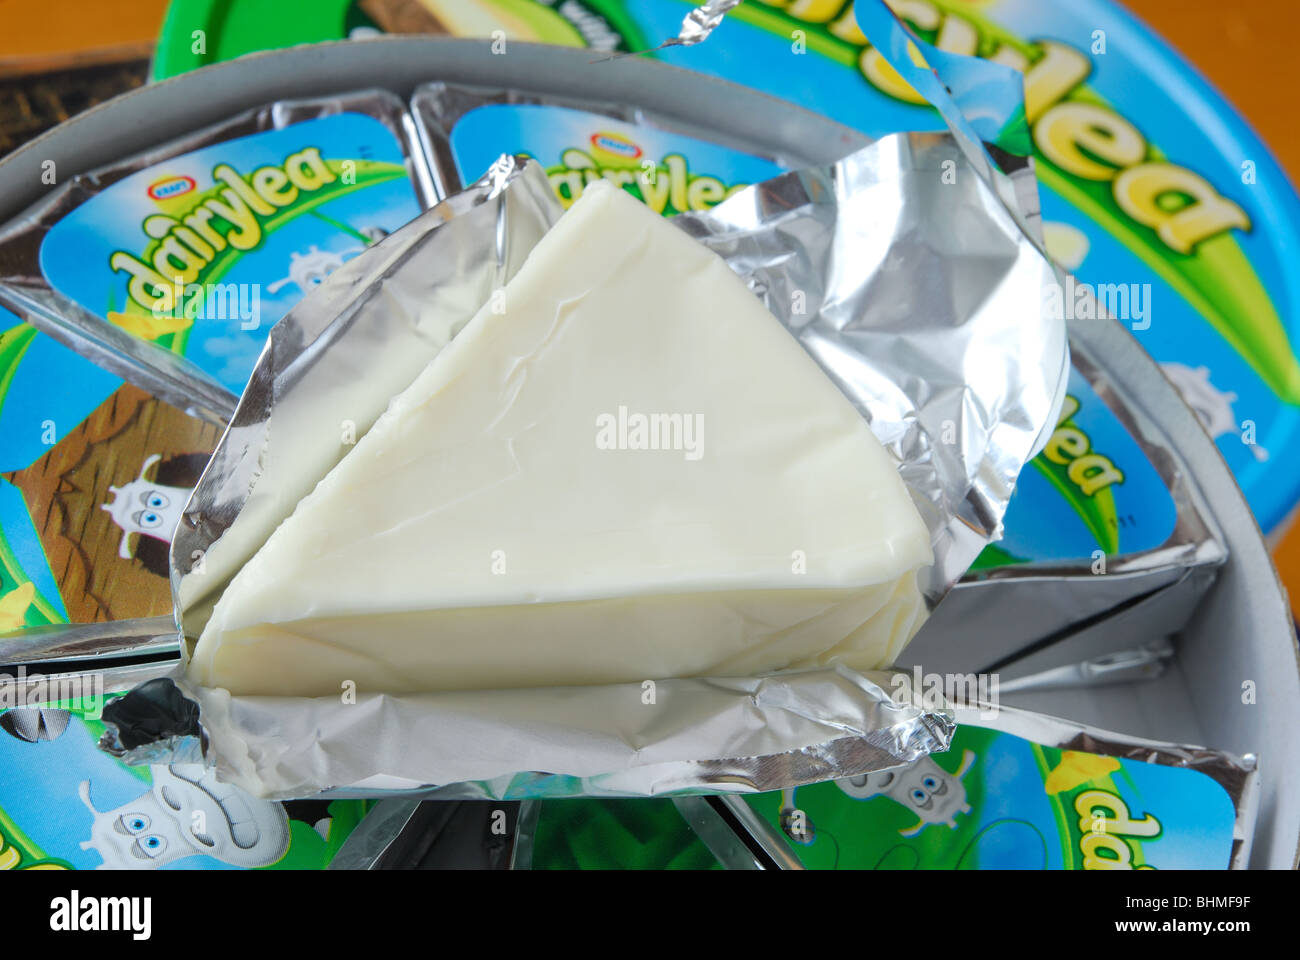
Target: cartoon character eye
920, 797
154, 499
150, 847
147, 519
931, 784
135, 822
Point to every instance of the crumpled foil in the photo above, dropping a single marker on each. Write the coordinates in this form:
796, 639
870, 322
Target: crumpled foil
904, 276
702, 21
734, 735
897, 268
696, 27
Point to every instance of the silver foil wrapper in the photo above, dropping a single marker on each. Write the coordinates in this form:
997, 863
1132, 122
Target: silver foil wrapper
941, 342
1081, 611
736, 735
899, 270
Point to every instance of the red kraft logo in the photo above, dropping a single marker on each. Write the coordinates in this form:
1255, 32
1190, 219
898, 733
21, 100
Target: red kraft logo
169, 187
616, 144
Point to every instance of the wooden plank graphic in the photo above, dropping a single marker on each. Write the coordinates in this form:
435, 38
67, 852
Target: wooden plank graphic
67, 489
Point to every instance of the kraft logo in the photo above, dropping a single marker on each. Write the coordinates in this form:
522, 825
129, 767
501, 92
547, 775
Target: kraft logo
169, 187
615, 144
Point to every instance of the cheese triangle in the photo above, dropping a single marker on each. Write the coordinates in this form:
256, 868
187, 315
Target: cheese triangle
624, 468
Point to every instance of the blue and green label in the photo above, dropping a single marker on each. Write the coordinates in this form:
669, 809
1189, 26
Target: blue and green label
669, 172
996, 801
203, 253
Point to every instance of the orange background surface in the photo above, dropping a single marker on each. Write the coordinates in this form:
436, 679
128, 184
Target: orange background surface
35, 32
1246, 50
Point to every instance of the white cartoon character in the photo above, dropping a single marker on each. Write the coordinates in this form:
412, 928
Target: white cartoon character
148, 508
928, 791
187, 812
308, 270
1213, 407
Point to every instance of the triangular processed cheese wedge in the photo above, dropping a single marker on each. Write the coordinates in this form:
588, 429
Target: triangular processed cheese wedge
622, 469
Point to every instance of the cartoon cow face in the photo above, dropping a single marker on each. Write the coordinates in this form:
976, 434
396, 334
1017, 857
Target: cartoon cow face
929, 792
147, 508
187, 812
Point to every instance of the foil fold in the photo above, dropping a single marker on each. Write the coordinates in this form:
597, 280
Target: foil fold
702, 21
732, 735
900, 271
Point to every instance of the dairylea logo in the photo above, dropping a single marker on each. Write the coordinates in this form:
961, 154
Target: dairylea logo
169, 187
616, 144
